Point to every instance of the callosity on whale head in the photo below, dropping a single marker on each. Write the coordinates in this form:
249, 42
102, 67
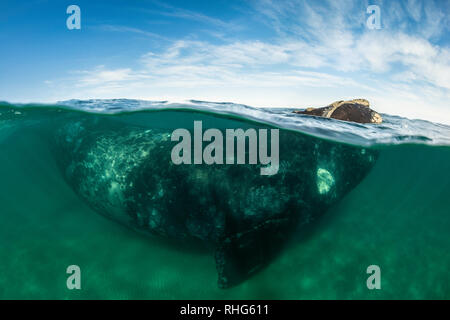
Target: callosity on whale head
125, 172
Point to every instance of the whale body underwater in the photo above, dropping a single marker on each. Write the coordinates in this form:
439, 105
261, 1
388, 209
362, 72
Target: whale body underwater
121, 166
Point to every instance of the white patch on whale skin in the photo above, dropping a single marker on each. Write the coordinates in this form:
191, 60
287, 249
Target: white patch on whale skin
325, 181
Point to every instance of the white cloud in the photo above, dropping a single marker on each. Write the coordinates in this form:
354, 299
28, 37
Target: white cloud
102, 76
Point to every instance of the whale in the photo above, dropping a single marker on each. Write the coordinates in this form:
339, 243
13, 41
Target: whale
123, 170
356, 110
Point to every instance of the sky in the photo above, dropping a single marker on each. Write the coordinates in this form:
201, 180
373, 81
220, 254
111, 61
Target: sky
263, 53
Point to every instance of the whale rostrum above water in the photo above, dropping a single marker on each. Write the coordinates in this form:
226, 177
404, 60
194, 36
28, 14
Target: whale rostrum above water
356, 110
124, 171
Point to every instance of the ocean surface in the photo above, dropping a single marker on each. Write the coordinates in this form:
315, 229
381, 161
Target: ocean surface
397, 217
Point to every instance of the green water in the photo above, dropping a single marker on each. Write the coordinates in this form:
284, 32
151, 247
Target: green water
397, 218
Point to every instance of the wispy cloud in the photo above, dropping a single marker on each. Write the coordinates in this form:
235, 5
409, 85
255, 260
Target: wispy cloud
176, 12
102, 76
119, 28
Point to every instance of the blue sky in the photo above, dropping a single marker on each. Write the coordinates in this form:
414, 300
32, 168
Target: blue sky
293, 53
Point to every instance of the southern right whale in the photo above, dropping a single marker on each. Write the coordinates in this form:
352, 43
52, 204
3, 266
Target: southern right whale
124, 171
